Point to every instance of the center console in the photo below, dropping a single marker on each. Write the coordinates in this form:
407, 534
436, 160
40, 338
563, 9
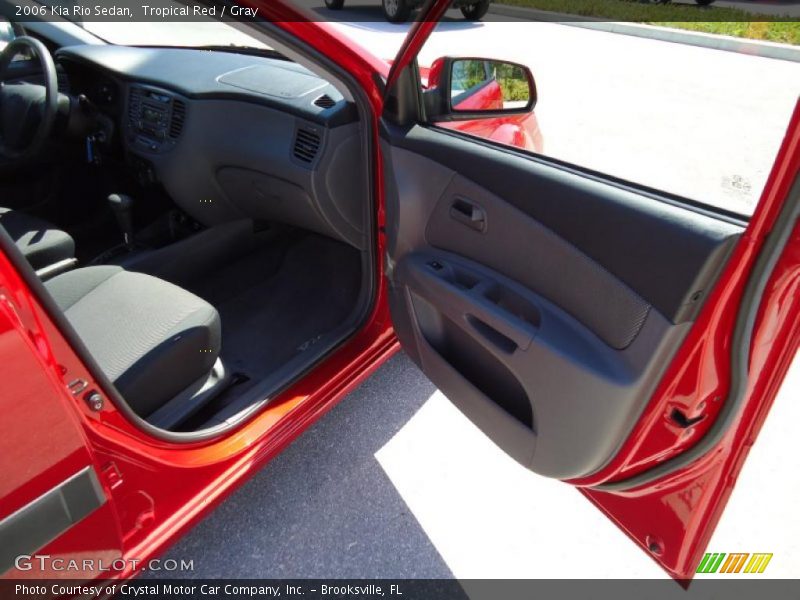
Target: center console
155, 119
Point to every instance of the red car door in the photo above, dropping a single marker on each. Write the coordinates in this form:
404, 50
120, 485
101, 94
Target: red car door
628, 345
53, 499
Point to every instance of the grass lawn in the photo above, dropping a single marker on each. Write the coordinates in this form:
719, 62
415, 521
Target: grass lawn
713, 19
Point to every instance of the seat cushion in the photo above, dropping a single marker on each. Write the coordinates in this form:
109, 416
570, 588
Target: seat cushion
39, 241
151, 338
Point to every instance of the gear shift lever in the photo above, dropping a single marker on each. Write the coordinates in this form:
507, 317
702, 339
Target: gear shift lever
122, 206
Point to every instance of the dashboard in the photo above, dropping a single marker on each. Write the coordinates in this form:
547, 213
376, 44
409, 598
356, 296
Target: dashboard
231, 135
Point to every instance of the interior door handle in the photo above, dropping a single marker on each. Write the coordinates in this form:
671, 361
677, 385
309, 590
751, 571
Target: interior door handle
469, 214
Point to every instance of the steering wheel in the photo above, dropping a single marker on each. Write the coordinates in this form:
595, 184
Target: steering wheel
27, 111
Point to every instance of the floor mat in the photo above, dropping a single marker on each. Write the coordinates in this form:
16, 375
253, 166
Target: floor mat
280, 300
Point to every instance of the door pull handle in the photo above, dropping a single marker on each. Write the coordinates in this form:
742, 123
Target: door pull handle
469, 214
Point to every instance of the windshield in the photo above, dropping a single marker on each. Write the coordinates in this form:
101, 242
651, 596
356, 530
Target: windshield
213, 33
203, 32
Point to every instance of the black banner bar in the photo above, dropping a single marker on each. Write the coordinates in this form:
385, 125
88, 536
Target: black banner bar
732, 588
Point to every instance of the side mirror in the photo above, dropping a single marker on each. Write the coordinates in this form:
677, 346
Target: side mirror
475, 88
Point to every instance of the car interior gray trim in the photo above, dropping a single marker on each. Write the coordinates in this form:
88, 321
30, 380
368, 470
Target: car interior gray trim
190, 400
740, 351
249, 168
41, 521
200, 74
519, 350
275, 80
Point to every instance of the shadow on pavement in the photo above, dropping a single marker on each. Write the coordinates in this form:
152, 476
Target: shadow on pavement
324, 508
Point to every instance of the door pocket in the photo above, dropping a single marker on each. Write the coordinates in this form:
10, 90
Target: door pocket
468, 356
474, 323
490, 334
515, 305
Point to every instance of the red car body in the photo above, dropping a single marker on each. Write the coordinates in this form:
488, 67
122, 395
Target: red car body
157, 490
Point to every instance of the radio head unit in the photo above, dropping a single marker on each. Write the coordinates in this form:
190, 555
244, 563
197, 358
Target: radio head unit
155, 118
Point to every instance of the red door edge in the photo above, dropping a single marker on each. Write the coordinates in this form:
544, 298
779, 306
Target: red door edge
673, 517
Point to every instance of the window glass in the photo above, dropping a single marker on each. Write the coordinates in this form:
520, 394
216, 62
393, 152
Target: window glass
6, 33
699, 123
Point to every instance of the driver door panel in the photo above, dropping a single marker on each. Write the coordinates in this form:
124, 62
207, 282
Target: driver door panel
543, 303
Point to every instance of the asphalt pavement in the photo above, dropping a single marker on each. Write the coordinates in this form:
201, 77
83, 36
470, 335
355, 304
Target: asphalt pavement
325, 508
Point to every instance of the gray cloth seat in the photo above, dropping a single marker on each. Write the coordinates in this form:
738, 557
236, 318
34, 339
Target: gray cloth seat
39, 241
151, 338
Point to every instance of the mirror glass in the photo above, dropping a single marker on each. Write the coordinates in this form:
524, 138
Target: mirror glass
478, 84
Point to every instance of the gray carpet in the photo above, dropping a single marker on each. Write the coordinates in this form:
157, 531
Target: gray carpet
281, 299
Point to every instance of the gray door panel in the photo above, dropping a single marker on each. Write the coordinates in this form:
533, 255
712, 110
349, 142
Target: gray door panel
543, 345
520, 247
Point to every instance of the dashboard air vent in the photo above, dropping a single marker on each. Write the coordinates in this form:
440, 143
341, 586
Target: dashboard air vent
134, 104
178, 117
325, 101
306, 145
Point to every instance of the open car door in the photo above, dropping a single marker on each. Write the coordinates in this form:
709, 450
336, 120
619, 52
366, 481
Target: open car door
57, 517
625, 342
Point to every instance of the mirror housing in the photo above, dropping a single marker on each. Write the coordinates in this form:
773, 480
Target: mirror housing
466, 88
